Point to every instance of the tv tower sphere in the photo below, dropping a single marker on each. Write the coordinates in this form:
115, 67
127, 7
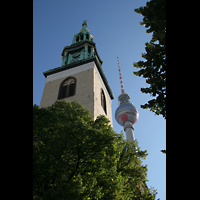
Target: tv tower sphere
126, 112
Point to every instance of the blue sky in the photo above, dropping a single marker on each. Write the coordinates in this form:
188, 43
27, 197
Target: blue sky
117, 32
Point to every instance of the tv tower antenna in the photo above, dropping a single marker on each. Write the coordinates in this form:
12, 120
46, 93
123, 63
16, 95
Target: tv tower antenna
120, 76
126, 114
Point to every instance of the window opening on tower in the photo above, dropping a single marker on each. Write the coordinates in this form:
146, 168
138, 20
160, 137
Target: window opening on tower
103, 101
67, 88
89, 50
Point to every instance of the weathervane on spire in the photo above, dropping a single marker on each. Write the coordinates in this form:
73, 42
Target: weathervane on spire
85, 23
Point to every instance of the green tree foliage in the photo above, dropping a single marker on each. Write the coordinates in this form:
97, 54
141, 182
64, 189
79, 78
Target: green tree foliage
154, 68
163, 151
75, 157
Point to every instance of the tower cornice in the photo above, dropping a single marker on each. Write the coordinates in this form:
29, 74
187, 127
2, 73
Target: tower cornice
75, 64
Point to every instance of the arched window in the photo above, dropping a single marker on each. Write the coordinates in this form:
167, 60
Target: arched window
103, 101
67, 88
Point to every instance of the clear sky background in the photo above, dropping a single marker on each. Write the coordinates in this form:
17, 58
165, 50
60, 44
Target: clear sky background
117, 32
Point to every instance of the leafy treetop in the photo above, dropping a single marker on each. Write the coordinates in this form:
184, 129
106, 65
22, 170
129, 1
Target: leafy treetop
154, 68
75, 157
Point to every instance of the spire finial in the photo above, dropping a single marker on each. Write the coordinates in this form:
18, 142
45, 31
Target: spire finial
85, 23
120, 76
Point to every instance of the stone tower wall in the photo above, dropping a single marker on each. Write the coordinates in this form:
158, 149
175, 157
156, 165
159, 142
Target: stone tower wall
88, 89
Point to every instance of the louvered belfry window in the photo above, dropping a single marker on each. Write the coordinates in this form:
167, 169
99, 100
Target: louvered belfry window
67, 88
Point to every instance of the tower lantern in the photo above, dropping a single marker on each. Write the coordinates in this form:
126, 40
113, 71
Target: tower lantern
126, 114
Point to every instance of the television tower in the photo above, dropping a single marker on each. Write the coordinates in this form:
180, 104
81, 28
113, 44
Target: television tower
126, 114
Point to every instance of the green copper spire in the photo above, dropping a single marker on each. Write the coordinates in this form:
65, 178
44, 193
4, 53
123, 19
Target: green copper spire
84, 27
82, 47
84, 34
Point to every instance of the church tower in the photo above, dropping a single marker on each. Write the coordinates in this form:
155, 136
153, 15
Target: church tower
80, 77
